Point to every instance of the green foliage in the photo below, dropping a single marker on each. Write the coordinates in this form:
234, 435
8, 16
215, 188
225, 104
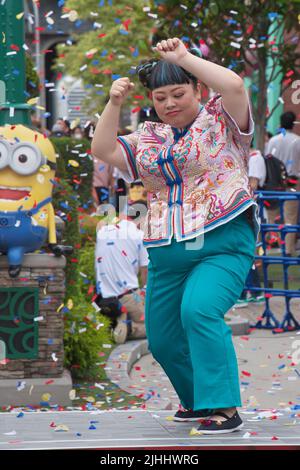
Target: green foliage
118, 45
86, 331
65, 204
73, 152
32, 78
256, 25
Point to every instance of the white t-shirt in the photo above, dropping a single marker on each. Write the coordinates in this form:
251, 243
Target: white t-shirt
119, 255
286, 147
257, 167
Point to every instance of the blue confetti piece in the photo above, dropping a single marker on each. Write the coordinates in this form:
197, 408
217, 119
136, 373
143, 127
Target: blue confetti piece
95, 62
117, 20
101, 3
281, 130
104, 53
135, 52
281, 367
60, 3
272, 15
20, 415
110, 243
123, 31
115, 76
50, 341
78, 434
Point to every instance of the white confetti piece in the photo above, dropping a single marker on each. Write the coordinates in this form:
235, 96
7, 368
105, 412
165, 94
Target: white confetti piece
54, 358
10, 433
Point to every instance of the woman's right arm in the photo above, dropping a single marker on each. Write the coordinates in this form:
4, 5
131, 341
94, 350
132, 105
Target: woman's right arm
104, 143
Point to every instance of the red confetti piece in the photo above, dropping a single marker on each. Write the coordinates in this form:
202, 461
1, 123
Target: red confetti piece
138, 97
48, 382
102, 35
136, 110
137, 368
274, 438
74, 260
124, 253
14, 47
247, 374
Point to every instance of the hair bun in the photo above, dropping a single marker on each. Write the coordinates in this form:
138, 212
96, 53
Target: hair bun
144, 70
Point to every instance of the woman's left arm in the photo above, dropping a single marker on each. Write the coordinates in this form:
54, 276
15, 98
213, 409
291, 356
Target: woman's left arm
222, 80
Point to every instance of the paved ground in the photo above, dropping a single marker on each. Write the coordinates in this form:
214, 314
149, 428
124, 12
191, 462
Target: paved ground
268, 375
134, 429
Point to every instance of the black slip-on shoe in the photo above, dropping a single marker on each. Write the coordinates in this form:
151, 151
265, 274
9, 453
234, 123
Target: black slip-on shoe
221, 427
191, 415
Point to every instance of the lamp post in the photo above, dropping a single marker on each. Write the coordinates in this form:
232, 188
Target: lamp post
12, 59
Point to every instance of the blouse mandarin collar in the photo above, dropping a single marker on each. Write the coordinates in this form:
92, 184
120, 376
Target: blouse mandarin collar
180, 132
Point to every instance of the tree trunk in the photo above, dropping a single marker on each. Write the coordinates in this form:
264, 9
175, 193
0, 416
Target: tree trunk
262, 102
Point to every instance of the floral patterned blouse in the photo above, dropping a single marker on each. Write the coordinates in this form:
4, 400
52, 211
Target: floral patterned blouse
196, 178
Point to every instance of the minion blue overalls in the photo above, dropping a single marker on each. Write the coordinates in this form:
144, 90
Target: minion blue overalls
18, 235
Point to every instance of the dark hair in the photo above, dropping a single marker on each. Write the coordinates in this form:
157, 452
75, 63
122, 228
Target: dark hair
155, 73
287, 120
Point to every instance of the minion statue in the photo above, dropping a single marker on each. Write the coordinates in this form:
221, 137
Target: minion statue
27, 158
27, 220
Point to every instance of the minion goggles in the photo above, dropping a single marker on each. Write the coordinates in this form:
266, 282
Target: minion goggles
23, 158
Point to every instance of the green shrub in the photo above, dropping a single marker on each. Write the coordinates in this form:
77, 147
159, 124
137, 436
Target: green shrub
86, 331
79, 177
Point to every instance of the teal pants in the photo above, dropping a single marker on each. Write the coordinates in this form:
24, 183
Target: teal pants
189, 290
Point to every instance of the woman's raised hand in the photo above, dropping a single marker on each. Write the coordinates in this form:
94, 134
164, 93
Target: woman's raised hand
171, 50
119, 90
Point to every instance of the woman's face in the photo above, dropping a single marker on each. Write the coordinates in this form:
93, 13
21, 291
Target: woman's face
177, 105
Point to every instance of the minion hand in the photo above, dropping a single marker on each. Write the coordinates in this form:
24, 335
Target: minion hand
59, 250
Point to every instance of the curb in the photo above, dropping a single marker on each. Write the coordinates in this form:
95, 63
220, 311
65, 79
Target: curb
119, 365
123, 357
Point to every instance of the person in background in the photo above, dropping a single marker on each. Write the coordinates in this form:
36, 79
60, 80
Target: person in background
89, 129
120, 259
120, 185
268, 136
77, 133
61, 128
102, 181
286, 147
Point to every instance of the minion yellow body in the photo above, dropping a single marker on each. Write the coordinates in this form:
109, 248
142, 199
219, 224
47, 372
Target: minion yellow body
27, 169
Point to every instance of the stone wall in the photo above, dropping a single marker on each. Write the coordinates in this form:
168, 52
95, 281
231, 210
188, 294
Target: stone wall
45, 272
